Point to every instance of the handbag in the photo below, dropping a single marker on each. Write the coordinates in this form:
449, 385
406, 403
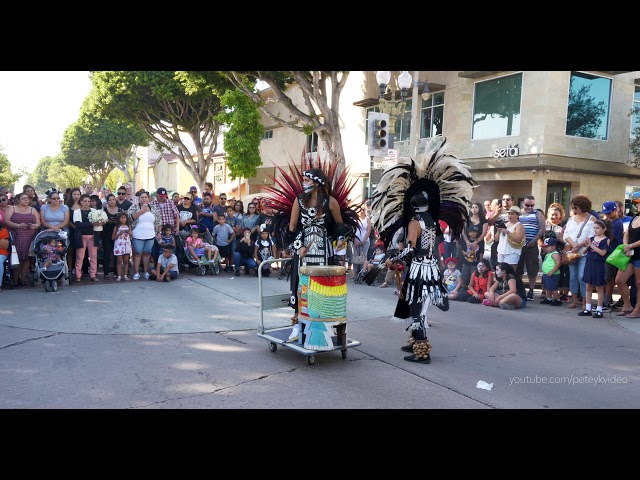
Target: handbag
522, 243
567, 257
359, 259
618, 258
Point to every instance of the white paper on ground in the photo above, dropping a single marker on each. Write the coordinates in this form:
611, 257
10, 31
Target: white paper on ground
484, 385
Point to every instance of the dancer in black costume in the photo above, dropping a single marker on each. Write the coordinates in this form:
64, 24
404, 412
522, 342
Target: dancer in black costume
414, 196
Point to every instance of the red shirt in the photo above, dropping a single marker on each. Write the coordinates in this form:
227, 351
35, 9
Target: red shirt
480, 284
4, 233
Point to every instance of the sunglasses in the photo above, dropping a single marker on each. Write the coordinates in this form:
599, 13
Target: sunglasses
122, 193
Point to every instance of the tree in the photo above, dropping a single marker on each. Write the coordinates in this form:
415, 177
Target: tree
65, 176
8, 179
117, 141
242, 139
75, 151
159, 103
39, 178
321, 93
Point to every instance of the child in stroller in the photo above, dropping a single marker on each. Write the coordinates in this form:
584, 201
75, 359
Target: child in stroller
201, 253
51, 259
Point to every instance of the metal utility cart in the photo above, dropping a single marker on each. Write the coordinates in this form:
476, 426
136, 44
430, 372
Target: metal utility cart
280, 335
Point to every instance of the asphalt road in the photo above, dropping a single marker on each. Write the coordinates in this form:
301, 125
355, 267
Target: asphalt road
193, 344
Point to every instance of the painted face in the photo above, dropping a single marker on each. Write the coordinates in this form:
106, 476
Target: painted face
308, 185
481, 267
498, 271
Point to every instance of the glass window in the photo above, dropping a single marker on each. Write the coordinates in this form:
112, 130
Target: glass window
588, 109
496, 107
635, 115
403, 123
312, 143
267, 134
431, 115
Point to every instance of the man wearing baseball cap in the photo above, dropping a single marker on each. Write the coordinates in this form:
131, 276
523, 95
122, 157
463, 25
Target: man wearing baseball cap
197, 201
169, 215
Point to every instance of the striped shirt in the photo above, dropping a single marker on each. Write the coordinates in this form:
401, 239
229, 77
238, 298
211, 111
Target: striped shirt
531, 226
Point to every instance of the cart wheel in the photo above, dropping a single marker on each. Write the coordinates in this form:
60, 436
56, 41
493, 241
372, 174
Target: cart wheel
280, 274
54, 286
202, 270
216, 269
311, 359
32, 279
272, 347
344, 354
46, 287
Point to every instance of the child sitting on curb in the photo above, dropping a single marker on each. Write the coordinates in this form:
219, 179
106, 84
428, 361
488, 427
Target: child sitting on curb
452, 278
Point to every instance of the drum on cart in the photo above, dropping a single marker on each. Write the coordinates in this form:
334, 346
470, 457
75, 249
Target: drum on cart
322, 305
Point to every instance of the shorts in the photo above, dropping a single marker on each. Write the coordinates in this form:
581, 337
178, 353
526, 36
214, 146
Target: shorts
529, 258
510, 258
609, 272
141, 246
224, 250
199, 251
635, 263
550, 283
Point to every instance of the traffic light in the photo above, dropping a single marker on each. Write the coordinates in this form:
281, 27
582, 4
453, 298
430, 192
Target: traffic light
378, 134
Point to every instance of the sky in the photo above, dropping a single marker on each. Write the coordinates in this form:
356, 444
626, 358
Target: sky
35, 110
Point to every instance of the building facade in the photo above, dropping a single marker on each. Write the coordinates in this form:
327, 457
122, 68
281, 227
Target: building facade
551, 134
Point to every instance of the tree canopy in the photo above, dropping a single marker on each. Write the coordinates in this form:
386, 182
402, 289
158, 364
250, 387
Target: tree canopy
8, 176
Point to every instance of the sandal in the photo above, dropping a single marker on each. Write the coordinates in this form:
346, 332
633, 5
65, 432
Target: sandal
623, 313
384, 285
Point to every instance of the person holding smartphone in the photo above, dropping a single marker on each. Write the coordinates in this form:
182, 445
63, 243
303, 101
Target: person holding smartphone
243, 256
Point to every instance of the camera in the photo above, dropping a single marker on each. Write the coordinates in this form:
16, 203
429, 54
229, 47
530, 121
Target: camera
500, 224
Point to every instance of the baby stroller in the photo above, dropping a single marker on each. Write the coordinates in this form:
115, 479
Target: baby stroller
203, 265
58, 269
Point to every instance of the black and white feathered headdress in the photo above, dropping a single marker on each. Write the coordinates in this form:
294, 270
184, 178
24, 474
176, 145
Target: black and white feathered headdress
446, 180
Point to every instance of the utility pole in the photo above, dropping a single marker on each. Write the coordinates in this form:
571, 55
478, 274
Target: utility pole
414, 133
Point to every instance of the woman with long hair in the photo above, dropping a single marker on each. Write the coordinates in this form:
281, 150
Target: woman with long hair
508, 291
553, 227
73, 202
578, 229
112, 211
473, 250
84, 238
314, 214
24, 221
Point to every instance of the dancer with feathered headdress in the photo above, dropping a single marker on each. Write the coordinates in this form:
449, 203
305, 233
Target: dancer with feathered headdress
312, 212
414, 196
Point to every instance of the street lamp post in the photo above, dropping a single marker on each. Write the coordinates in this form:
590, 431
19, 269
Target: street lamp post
393, 107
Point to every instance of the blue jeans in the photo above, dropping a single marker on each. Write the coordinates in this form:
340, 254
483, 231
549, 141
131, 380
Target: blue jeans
450, 249
2, 260
576, 271
247, 263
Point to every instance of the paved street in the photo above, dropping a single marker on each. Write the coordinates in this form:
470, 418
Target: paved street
192, 344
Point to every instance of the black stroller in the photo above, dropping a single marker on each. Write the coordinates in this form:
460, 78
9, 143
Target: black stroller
58, 270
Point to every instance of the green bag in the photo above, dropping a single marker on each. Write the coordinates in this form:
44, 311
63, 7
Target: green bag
618, 258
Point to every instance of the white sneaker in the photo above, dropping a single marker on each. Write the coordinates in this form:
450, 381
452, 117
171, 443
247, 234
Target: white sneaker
295, 332
136, 276
146, 275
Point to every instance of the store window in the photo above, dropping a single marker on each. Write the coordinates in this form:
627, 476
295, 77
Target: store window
432, 115
496, 107
635, 114
588, 108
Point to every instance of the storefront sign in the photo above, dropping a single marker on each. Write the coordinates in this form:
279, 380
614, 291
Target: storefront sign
507, 152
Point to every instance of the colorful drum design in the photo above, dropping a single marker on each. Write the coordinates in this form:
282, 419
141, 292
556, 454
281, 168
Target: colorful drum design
322, 292
322, 304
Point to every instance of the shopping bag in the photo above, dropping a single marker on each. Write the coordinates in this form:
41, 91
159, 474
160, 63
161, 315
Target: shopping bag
15, 262
618, 258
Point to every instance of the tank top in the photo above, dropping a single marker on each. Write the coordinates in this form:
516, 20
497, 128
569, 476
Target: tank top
530, 223
634, 236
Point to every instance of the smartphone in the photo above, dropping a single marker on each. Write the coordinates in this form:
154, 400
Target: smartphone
500, 203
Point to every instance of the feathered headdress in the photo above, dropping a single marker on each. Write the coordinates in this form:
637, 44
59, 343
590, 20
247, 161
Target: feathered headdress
446, 180
288, 185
